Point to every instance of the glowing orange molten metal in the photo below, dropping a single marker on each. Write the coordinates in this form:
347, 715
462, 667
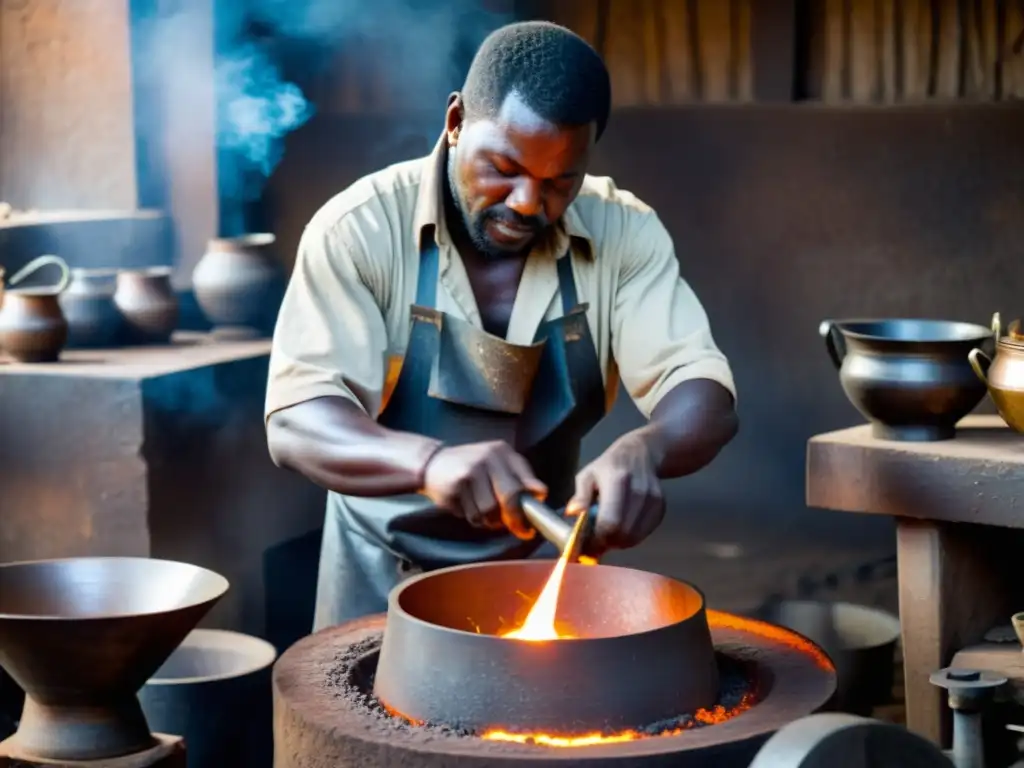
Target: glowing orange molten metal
717, 714
540, 621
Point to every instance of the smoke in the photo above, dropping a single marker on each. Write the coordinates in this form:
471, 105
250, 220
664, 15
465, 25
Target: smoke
269, 53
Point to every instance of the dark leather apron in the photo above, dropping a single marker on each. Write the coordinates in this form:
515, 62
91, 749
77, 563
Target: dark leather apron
460, 384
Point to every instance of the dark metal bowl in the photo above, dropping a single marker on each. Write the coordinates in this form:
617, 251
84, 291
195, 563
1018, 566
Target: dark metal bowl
910, 378
642, 651
82, 635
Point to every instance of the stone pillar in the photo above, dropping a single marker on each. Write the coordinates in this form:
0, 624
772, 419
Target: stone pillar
175, 120
66, 130
109, 105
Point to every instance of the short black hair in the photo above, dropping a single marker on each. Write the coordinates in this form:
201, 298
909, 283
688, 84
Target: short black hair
556, 72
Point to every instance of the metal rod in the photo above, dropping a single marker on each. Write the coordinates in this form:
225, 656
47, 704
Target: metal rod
558, 530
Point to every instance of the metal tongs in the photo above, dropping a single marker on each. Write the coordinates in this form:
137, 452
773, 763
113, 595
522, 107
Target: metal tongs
569, 537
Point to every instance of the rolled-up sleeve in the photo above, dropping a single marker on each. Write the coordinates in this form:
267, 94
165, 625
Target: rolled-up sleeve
660, 332
330, 338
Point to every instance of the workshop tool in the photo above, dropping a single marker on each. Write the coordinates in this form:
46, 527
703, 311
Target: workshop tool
969, 692
564, 533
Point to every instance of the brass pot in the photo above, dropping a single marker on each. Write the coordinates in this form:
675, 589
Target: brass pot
1003, 374
32, 325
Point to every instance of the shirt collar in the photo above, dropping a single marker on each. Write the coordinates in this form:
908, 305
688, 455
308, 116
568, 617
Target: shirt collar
430, 207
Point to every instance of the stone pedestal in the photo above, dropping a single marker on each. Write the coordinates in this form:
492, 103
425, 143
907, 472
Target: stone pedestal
168, 752
161, 452
959, 511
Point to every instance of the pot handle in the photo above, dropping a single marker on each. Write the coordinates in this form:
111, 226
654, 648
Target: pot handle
38, 263
833, 342
975, 357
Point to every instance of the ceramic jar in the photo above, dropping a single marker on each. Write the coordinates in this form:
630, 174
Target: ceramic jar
32, 325
239, 284
88, 304
148, 304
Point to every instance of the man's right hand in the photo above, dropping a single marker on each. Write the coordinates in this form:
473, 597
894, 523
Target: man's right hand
482, 482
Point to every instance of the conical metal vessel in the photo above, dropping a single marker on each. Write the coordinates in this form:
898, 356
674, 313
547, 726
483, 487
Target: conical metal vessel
82, 635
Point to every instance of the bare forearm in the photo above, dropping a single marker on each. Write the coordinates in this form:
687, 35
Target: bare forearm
335, 444
688, 428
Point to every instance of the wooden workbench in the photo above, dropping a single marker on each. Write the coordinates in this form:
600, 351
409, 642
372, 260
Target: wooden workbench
959, 511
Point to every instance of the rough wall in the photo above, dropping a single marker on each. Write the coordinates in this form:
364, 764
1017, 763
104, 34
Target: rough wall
66, 129
781, 216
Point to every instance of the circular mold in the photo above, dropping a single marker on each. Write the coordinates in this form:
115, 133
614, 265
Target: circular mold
640, 649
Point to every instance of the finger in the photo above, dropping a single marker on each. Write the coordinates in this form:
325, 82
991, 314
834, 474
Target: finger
583, 496
654, 513
612, 493
467, 506
636, 503
507, 488
485, 500
524, 473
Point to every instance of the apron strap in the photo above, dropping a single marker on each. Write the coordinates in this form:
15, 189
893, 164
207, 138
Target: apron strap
426, 281
566, 283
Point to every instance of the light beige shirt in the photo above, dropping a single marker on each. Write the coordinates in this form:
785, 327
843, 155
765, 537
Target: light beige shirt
344, 322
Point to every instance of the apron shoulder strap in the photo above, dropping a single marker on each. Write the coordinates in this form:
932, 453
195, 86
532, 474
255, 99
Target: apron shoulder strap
426, 281
566, 283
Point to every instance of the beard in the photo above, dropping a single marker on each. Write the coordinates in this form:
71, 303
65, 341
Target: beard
475, 226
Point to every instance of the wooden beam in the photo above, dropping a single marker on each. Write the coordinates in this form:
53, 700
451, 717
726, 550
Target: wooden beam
773, 45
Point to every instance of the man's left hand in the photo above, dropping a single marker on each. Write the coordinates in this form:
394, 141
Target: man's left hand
625, 483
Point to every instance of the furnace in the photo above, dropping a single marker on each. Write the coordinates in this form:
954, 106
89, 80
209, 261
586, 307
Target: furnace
642, 675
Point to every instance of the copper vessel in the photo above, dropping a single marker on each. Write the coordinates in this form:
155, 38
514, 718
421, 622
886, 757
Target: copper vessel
146, 300
32, 325
1003, 373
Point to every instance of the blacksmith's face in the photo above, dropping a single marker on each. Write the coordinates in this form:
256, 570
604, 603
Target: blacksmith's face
513, 174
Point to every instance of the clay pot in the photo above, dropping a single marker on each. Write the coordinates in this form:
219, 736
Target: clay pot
910, 378
1003, 374
148, 304
88, 304
32, 326
239, 284
215, 690
861, 642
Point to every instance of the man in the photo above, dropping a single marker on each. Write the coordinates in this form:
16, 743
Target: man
456, 324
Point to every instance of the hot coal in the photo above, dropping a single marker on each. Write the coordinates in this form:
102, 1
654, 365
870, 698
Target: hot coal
351, 678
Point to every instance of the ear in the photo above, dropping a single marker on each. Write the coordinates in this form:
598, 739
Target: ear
454, 117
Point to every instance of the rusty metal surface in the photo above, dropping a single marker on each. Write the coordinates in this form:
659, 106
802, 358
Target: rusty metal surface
82, 635
317, 727
642, 649
479, 370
